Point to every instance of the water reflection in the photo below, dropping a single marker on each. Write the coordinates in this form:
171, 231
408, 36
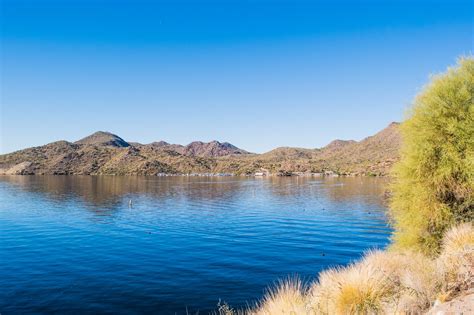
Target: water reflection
105, 190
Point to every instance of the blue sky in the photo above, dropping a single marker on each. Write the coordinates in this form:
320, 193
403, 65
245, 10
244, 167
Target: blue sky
258, 74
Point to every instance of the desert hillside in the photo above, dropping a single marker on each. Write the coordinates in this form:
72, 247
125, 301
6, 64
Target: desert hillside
106, 153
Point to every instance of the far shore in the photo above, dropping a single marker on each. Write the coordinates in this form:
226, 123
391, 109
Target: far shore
256, 175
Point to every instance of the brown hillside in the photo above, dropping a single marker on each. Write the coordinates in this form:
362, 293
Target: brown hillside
106, 153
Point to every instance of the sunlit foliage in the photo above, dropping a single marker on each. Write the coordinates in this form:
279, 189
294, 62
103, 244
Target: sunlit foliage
434, 181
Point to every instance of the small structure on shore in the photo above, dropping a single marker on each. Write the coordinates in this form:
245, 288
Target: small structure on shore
262, 172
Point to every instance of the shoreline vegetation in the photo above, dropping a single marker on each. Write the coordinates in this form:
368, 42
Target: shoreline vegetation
429, 266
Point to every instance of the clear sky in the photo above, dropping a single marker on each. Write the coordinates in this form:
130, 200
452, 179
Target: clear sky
258, 74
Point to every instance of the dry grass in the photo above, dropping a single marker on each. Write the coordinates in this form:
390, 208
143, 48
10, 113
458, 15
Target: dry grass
382, 282
458, 238
358, 288
224, 309
412, 277
456, 261
289, 297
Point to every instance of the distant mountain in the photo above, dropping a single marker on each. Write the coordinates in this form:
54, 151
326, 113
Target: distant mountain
286, 153
212, 149
199, 148
374, 154
104, 138
159, 144
106, 153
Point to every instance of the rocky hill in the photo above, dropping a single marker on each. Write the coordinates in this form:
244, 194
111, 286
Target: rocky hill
199, 148
106, 153
212, 149
103, 138
374, 155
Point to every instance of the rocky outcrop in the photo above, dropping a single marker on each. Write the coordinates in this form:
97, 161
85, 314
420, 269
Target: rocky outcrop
23, 168
460, 305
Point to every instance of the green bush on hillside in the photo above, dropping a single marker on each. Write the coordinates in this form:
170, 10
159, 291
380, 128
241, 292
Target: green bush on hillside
434, 180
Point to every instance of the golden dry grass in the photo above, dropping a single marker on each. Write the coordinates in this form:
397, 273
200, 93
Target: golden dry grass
358, 288
455, 264
382, 282
412, 277
287, 298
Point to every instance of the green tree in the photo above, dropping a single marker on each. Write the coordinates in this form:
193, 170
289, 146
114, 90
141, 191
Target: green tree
434, 180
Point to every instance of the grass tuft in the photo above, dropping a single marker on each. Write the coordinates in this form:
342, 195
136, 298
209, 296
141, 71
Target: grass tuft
358, 288
288, 297
456, 261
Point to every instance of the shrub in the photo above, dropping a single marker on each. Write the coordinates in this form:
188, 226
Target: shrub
434, 180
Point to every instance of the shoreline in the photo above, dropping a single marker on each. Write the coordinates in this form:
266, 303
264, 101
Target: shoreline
319, 175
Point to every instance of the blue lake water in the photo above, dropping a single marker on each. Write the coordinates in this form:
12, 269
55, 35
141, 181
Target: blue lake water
72, 244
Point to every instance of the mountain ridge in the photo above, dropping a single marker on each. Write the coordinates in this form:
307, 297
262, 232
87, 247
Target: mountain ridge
106, 153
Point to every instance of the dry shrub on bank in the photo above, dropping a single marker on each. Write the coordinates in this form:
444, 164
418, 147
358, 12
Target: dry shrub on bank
412, 275
382, 282
358, 288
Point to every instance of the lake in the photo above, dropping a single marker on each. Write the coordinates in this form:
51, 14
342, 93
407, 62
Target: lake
74, 244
